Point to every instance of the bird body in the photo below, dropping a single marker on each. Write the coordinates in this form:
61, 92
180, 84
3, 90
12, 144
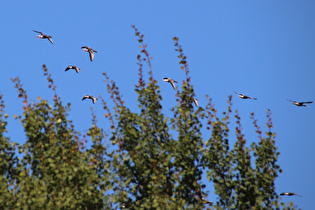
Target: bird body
289, 194
242, 96
90, 97
73, 67
90, 51
205, 201
44, 36
300, 103
171, 81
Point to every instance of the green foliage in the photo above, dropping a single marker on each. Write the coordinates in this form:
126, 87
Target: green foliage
154, 161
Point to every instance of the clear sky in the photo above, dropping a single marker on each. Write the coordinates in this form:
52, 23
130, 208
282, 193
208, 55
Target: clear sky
265, 49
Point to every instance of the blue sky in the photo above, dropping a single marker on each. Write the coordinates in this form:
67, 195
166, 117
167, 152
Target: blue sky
265, 49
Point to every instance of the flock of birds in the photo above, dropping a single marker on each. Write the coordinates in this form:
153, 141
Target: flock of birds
240, 95
166, 79
85, 48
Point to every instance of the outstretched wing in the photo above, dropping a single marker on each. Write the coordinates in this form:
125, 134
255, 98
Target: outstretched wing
91, 55
237, 93
307, 102
172, 83
291, 100
38, 32
51, 41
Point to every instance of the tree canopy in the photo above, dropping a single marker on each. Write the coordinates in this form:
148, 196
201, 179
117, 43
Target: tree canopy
153, 162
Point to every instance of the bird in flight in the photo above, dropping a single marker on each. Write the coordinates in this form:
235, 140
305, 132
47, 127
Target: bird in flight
90, 97
195, 101
289, 194
205, 201
90, 51
300, 103
171, 81
44, 36
242, 96
73, 67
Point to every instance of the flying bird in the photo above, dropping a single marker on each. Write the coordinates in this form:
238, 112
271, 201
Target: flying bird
90, 50
44, 36
195, 101
73, 67
242, 96
90, 97
300, 103
289, 194
205, 201
171, 81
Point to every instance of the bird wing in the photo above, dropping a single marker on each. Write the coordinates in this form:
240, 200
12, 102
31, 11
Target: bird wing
38, 32
91, 55
67, 68
173, 85
84, 47
291, 100
237, 93
307, 102
84, 97
51, 41
77, 69
94, 100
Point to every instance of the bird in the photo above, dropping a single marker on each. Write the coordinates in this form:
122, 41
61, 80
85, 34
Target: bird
242, 96
195, 101
90, 97
73, 67
289, 194
205, 201
171, 81
300, 103
90, 50
44, 36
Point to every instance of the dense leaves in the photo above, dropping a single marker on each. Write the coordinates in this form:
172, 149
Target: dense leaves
146, 161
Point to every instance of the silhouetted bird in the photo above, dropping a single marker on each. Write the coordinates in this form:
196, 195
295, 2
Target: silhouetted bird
90, 97
289, 194
242, 96
166, 79
300, 103
205, 201
90, 50
44, 36
73, 67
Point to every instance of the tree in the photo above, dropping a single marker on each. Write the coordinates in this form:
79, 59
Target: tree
155, 162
